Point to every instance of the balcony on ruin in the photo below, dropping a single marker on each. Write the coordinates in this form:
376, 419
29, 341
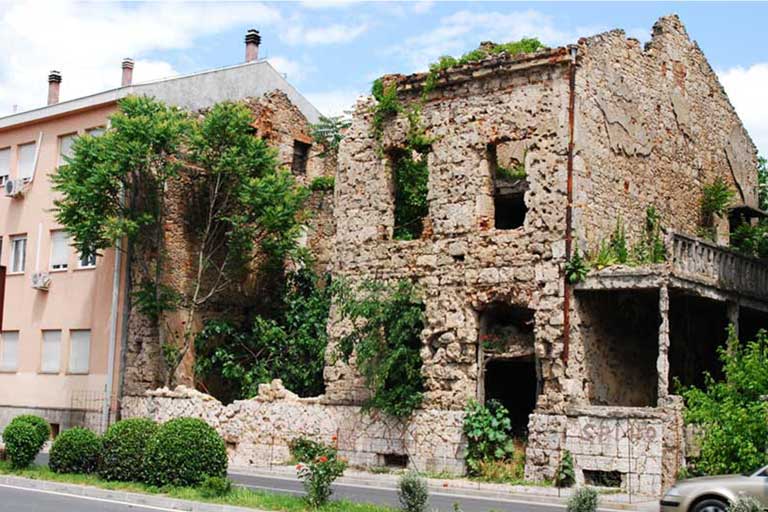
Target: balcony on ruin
693, 264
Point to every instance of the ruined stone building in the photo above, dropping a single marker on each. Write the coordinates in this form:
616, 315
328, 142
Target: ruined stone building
604, 129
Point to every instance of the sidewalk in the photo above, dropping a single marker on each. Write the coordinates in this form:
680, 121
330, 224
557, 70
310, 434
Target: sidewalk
535, 494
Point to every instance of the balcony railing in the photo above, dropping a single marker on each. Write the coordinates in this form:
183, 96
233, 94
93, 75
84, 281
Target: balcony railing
710, 264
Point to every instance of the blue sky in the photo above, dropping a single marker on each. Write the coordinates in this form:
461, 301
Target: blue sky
332, 50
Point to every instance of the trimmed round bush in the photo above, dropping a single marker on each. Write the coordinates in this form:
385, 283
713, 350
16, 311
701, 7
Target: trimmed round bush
185, 452
42, 426
23, 440
125, 443
76, 450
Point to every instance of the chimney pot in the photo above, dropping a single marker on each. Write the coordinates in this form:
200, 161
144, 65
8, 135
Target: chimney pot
54, 85
252, 42
127, 72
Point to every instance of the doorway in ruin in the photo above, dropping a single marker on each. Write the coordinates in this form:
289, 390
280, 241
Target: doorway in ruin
751, 321
508, 366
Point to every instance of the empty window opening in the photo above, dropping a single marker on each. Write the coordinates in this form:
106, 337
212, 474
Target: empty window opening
506, 161
751, 321
598, 478
506, 330
300, 157
410, 177
620, 334
393, 460
697, 327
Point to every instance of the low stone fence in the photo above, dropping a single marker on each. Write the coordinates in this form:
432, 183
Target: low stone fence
639, 446
257, 431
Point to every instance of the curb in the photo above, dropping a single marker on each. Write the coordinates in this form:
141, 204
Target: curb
448, 487
128, 498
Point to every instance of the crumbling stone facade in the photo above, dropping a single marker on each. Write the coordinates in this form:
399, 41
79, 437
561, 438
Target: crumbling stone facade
604, 129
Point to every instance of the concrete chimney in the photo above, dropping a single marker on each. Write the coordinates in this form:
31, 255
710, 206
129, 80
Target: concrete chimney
54, 84
252, 42
127, 72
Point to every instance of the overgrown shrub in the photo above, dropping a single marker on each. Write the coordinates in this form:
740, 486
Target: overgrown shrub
322, 183
125, 444
732, 413
76, 450
317, 476
584, 499
184, 452
303, 449
488, 430
23, 438
387, 343
745, 504
510, 470
751, 240
215, 487
413, 493
576, 268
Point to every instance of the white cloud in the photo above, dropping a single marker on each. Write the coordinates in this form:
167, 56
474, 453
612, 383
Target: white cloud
464, 30
87, 41
293, 70
334, 103
337, 33
746, 89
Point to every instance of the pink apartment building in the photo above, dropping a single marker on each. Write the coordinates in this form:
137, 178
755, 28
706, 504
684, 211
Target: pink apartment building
61, 312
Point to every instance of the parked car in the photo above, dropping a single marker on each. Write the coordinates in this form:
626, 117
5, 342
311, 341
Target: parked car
715, 493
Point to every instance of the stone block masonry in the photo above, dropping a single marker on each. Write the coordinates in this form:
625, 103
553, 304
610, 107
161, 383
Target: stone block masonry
258, 431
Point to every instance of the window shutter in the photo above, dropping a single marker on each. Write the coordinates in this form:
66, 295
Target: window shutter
79, 351
51, 360
59, 249
27, 161
5, 163
9, 358
65, 147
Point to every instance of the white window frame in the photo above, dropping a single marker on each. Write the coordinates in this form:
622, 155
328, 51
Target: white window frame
46, 340
74, 334
86, 262
56, 237
13, 264
5, 165
96, 131
4, 366
62, 138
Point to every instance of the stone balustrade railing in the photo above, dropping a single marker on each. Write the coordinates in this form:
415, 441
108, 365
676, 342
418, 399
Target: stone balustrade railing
706, 262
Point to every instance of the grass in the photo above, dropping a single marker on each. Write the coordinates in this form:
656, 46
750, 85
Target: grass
240, 497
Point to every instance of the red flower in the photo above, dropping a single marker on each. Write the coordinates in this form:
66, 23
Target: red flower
333, 438
322, 458
298, 466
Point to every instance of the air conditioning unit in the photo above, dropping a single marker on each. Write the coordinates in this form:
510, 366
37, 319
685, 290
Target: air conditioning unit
41, 281
14, 188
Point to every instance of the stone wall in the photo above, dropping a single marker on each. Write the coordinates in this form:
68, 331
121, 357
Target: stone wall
653, 126
257, 431
644, 445
462, 263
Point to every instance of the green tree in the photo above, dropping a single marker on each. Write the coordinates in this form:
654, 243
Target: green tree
762, 182
733, 412
386, 341
237, 205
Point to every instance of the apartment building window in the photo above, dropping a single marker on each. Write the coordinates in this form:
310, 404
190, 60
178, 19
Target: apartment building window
5, 165
18, 253
95, 132
65, 147
79, 350
87, 260
9, 351
27, 154
59, 250
300, 157
50, 360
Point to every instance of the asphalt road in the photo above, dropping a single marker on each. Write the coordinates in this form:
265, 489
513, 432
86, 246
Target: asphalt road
12, 499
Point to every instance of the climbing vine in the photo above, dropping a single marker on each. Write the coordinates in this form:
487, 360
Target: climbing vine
386, 342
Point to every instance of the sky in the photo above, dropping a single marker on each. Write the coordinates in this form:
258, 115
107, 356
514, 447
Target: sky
332, 50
